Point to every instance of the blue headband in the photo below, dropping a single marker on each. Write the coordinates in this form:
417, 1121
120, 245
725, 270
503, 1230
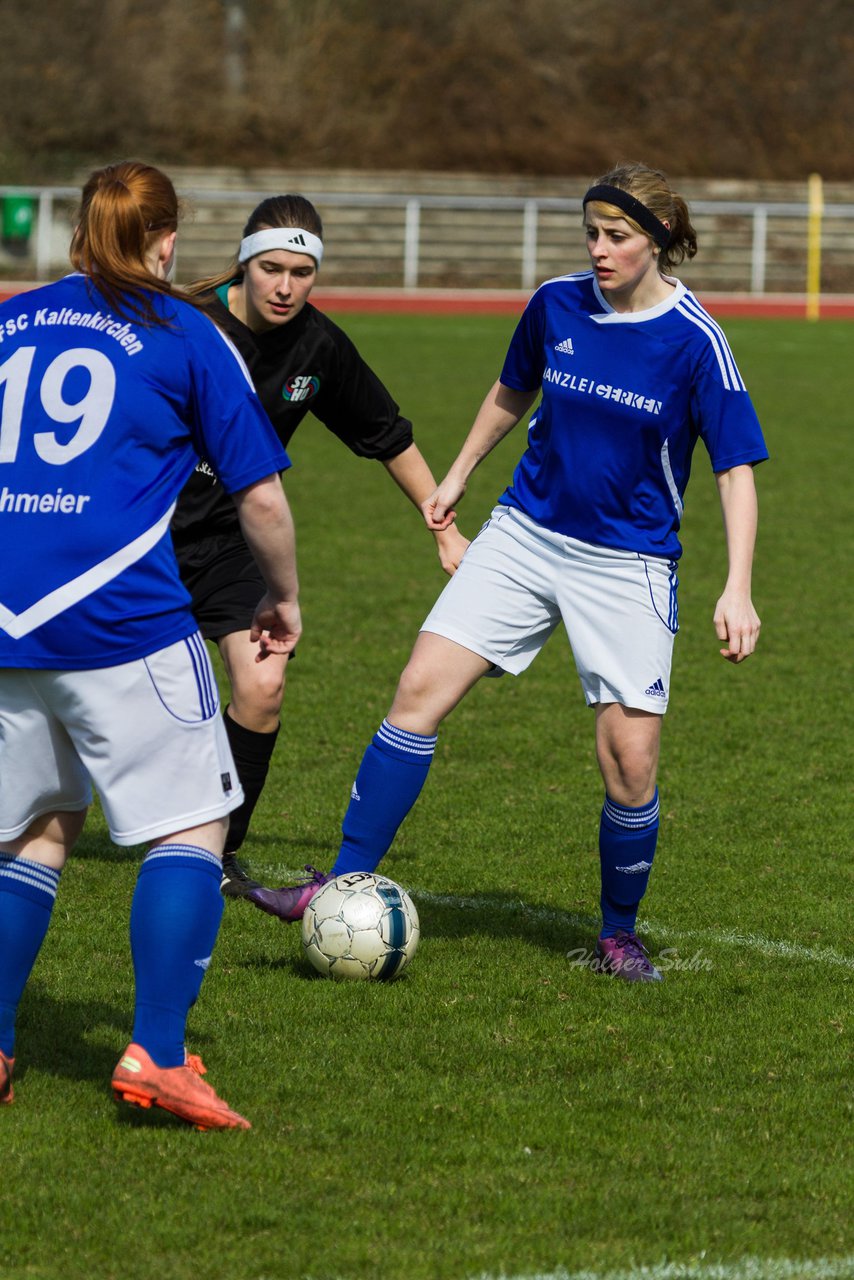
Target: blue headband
636, 211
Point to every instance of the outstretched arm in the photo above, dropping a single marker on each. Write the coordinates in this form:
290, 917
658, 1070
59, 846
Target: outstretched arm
410, 471
268, 528
736, 621
501, 410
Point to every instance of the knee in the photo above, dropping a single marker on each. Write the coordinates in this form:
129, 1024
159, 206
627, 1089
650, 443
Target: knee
629, 774
627, 745
415, 702
256, 697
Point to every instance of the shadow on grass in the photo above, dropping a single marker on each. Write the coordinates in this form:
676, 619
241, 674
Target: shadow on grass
498, 916
280, 841
493, 917
97, 847
62, 1038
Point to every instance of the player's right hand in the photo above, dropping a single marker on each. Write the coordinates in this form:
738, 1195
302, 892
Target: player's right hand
276, 627
438, 509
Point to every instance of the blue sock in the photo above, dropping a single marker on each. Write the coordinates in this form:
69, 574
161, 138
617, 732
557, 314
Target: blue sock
27, 894
174, 920
393, 770
627, 839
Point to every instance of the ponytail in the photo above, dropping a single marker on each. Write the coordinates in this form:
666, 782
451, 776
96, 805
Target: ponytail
124, 209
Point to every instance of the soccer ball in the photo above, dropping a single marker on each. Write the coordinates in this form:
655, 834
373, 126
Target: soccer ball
360, 926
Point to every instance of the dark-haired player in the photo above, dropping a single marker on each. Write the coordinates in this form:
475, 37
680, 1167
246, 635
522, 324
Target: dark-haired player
301, 363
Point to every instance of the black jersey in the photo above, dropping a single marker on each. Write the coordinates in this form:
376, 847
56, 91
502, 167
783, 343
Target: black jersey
308, 365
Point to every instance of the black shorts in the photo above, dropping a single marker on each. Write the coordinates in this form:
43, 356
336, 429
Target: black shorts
224, 581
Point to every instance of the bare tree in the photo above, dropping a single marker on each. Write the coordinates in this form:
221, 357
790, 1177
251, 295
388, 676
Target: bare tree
759, 88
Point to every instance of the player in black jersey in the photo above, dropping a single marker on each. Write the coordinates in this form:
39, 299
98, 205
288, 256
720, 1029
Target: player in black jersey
300, 363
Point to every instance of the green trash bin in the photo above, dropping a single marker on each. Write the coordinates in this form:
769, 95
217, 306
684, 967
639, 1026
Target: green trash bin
18, 213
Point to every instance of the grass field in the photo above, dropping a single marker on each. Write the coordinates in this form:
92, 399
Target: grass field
501, 1111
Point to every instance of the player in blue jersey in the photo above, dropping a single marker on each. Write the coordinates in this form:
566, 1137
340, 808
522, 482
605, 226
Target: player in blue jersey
111, 388
630, 372
305, 370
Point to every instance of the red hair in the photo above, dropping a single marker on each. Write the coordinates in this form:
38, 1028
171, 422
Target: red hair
124, 209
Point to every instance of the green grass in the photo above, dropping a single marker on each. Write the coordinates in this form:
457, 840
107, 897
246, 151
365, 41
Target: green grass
500, 1110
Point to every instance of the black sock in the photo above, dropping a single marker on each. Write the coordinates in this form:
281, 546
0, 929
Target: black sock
252, 752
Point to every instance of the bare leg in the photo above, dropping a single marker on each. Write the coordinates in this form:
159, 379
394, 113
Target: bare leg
627, 748
209, 836
252, 724
257, 688
49, 839
437, 677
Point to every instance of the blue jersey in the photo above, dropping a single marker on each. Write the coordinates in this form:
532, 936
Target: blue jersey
101, 422
625, 397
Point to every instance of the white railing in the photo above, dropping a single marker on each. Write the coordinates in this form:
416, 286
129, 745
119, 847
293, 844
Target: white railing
530, 210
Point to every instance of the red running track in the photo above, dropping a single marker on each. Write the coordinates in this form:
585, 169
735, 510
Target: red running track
512, 302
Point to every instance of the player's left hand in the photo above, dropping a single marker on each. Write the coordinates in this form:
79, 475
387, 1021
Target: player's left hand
451, 546
737, 625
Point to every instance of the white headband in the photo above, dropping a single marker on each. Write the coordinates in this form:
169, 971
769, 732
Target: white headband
294, 239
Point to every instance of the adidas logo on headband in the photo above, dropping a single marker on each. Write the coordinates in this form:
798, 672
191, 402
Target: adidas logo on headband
291, 238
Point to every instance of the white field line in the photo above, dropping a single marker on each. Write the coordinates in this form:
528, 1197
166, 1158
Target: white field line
743, 1269
719, 937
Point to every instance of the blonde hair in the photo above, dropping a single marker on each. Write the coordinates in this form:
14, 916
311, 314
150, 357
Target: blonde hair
652, 189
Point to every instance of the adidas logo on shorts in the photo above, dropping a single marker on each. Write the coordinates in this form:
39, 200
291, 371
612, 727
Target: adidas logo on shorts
656, 690
565, 347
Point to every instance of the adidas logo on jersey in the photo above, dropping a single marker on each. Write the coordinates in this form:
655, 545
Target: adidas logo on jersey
656, 690
565, 347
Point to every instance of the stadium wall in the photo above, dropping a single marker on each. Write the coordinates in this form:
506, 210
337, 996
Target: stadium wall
464, 233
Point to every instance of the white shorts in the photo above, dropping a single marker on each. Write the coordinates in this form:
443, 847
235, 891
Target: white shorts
147, 733
517, 581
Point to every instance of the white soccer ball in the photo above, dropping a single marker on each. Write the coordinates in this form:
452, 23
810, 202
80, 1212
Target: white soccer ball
360, 926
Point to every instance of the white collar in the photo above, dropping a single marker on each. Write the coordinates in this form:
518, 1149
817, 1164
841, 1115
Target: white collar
610, 316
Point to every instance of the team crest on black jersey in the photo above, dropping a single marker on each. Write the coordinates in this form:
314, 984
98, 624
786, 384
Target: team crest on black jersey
303, 386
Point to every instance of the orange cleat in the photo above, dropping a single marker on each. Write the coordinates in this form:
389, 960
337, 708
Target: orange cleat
180, 1090
7, 1093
